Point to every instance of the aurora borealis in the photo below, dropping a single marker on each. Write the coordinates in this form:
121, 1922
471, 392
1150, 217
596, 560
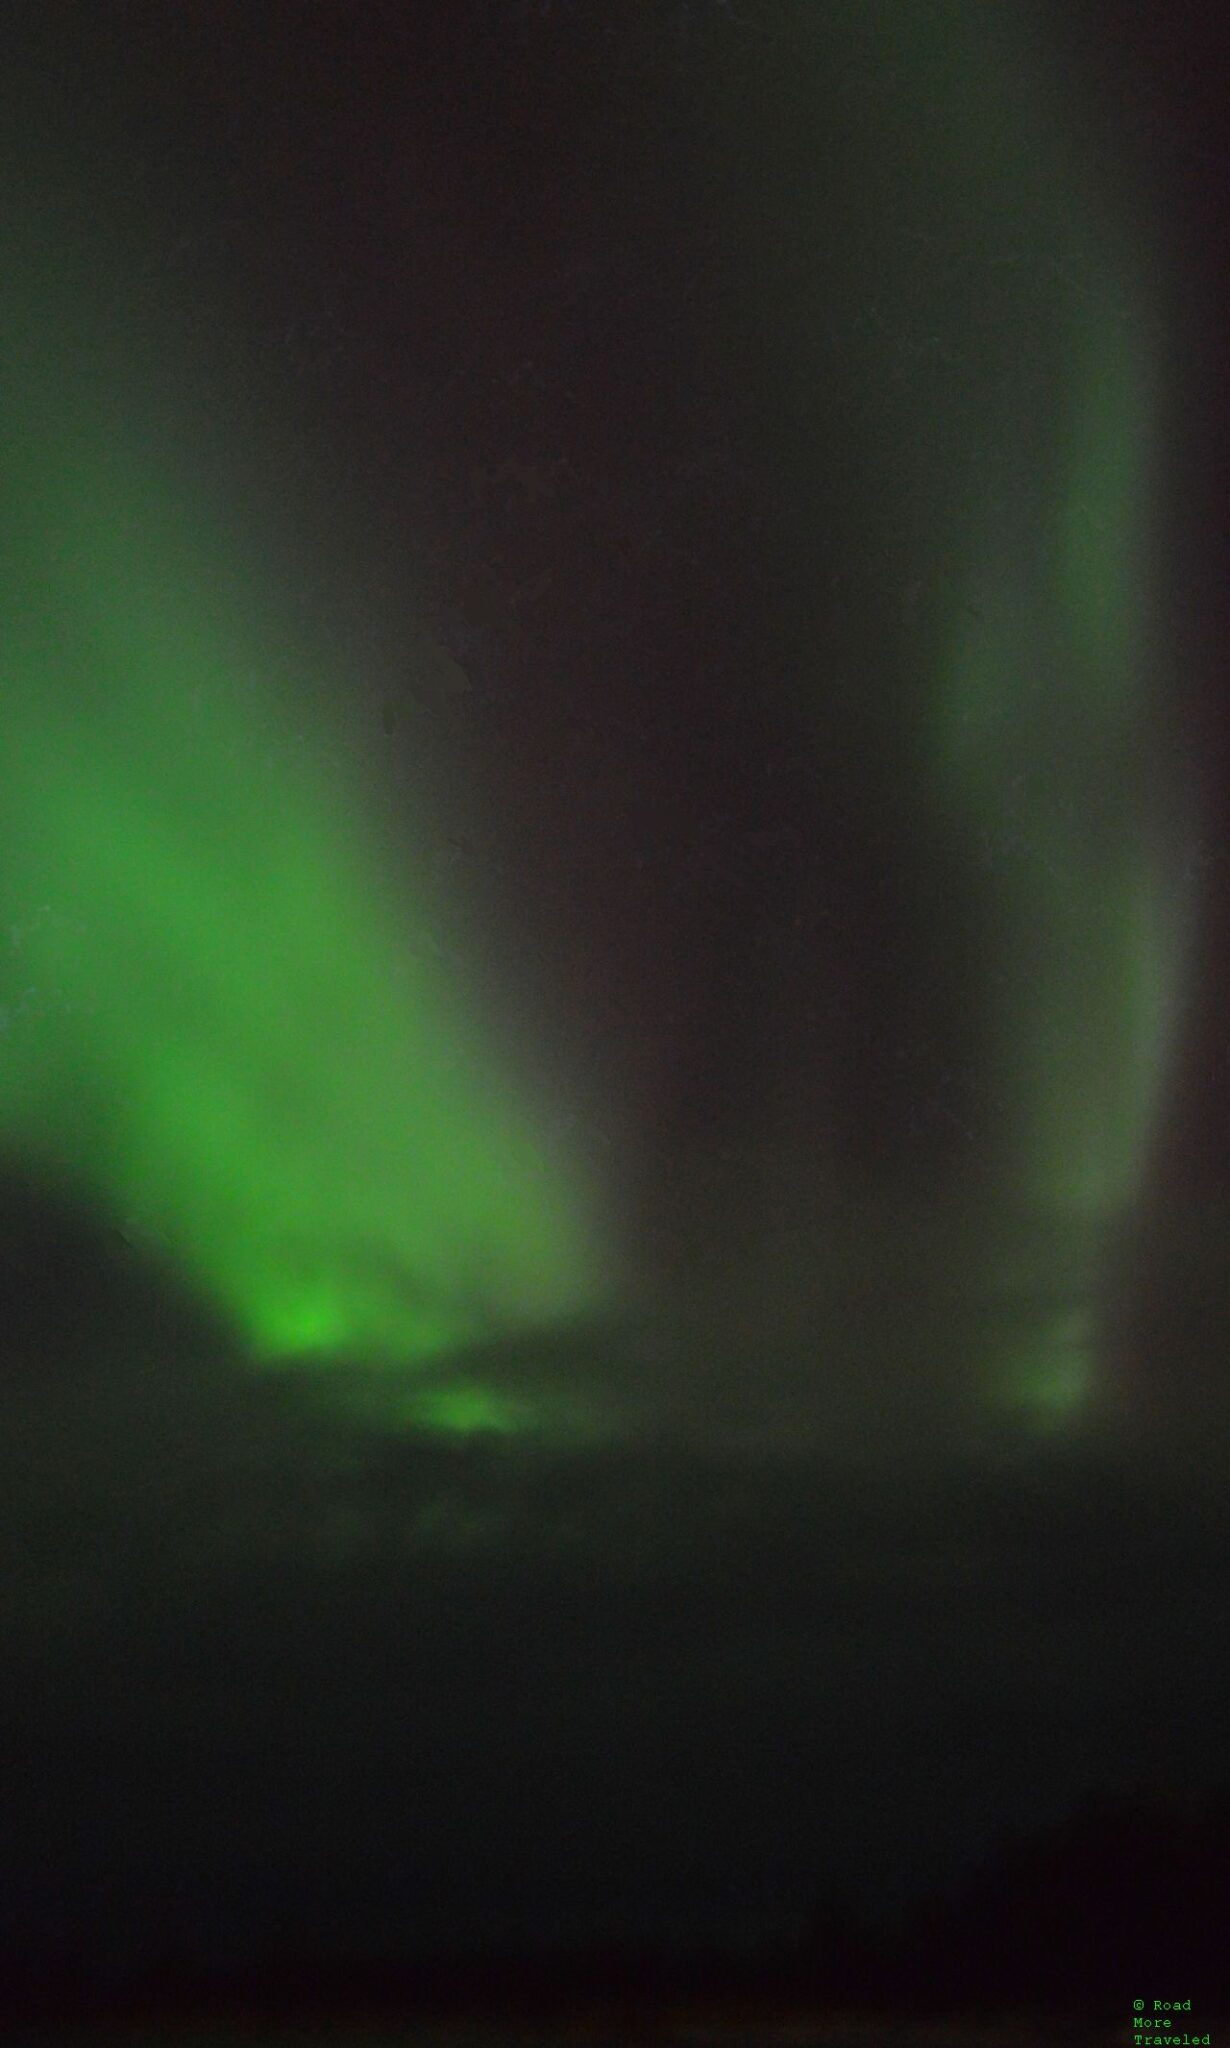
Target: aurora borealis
614, 1209
188, 956
224, 1026
1015, 356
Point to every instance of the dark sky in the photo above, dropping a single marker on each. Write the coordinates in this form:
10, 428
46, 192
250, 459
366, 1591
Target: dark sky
622, 395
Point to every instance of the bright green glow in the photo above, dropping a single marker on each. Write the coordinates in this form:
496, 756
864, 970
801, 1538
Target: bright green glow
221, 1020
461, 1408
466, 1411
465, 1395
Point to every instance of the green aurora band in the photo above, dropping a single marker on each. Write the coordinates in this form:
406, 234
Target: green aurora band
1017, 352
222, 1025
1046, 727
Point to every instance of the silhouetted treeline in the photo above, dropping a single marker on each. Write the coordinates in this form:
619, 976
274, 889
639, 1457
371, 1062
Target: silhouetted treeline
1126, 1896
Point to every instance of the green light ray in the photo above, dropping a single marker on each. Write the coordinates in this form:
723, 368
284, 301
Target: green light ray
219, 1020
1014, 361
1045, 728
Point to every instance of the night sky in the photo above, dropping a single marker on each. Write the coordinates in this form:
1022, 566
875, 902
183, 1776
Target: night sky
614, 1198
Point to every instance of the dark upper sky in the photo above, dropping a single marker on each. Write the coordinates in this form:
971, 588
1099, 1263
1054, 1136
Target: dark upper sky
622, 396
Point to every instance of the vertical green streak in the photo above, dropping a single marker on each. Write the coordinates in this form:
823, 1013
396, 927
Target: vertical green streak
1045, 738
1046, 722
1010, 379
